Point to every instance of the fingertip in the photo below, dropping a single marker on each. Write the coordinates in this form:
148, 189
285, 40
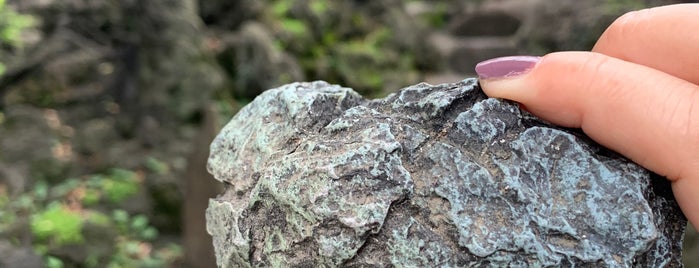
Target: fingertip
511, 89
505, 77
535, 89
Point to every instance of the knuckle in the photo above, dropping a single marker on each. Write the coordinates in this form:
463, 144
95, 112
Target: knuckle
604, 77
686, 124
682, 113
692, 121
595, 64
626, 26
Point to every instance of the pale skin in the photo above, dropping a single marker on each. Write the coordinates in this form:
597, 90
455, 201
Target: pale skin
637, 93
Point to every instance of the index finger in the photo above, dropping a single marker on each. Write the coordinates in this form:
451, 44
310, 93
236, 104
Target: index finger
663, 38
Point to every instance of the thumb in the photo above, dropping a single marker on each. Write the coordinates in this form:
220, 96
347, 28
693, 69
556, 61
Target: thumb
642, 113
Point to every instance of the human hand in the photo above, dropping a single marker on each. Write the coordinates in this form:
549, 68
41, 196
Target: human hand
637, 92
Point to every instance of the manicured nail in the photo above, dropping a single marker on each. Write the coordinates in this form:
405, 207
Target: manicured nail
506, 67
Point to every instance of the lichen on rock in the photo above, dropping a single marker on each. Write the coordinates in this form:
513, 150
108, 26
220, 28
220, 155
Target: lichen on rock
439, 175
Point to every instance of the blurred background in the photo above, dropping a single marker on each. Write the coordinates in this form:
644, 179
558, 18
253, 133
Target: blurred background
107, 107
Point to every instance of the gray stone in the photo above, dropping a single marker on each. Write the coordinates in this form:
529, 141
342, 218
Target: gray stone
13, 256
430, 176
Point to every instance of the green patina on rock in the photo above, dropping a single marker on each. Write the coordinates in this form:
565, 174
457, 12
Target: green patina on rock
439, 176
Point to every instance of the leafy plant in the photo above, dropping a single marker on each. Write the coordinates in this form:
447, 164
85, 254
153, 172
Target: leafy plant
343, 42
12, 24
118, 185
58, 225
70, 213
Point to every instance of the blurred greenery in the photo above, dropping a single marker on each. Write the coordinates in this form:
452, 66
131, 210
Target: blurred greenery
615, 7
12, 24
337, 42
60, 214
56, 224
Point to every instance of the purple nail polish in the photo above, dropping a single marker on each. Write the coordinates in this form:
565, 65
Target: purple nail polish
505, 67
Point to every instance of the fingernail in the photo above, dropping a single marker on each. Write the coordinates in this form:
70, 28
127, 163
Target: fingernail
506, 67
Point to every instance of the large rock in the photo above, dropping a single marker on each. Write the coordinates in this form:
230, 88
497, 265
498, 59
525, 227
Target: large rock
440, 175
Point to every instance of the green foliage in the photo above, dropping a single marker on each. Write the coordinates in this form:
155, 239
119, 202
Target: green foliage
70, 214
294, 26
118, 185
318, 6
53, 262
156, 166
343, 42
280, 8
132, 255
437, 17
12, 24
618, 7
58, 225
137, 226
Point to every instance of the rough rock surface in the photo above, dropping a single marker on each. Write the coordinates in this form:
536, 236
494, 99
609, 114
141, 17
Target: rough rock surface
430, 176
